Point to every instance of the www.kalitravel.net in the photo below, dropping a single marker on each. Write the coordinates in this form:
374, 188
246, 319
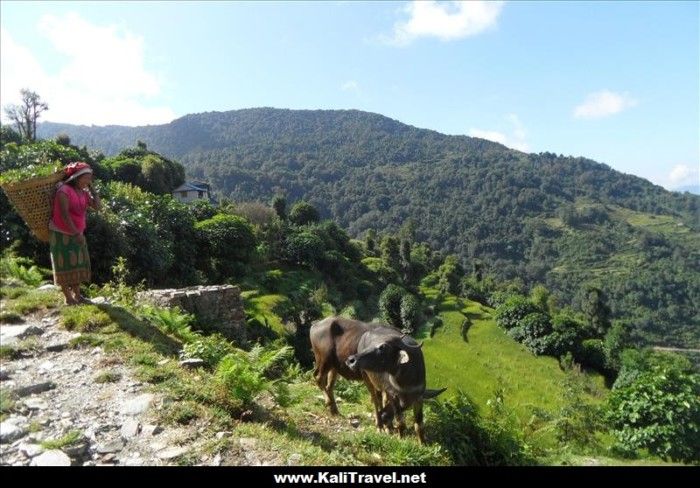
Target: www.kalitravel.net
350, 477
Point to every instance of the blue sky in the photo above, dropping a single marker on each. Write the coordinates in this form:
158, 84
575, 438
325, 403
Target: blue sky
616, 82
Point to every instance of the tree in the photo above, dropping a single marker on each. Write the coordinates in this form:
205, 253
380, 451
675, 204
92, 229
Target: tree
303, 213
279, 203
24, 116
390, 305
371, 242
391, 254
594, 305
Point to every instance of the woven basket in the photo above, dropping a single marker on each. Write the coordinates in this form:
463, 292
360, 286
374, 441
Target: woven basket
33, 200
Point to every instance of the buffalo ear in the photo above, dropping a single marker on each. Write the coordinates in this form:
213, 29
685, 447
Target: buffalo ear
403, 357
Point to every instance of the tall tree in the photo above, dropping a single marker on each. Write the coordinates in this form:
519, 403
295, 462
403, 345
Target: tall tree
24, 116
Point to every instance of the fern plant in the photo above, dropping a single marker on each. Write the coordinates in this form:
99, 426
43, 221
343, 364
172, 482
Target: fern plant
245, 373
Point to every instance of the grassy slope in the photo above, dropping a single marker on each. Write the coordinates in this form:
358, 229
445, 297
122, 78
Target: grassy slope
490, 360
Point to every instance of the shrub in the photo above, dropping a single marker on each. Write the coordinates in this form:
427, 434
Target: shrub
211, 349
534, 330
515, 309
475, 441
659, 411
224, 241
303, 213
410, 313
390, 305
592, 354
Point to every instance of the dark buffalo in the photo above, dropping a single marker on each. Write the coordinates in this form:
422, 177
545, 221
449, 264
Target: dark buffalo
394, 365
334, 340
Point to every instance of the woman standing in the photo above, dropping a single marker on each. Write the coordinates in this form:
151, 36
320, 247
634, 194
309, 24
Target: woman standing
69, 253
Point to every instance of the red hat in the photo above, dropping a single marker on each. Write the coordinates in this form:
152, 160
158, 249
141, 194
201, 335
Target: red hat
78, 168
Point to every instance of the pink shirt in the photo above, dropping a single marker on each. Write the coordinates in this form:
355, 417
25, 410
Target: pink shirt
78, 202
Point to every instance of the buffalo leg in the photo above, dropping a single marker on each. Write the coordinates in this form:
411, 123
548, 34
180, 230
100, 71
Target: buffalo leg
376, 401
325, 379
418, 421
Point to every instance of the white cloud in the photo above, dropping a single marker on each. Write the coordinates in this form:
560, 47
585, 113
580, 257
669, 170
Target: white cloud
602, 104
682, 175
447, 21
350, 86
490, 135
101, 80
515, 141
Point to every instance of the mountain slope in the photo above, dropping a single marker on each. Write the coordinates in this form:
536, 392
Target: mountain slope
538, 217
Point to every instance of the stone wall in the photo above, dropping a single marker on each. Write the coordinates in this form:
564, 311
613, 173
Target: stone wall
218, 307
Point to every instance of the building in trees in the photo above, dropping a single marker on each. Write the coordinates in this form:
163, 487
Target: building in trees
192, 191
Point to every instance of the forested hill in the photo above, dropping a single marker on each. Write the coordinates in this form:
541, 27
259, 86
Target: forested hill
566, 222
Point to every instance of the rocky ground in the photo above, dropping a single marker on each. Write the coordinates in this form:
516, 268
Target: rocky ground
63, 394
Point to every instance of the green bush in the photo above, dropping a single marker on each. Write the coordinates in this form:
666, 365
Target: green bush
410, 313
472, 440
533, 332
224, 241
390, 305
303, 213
658, 411
592, 354
513, 311
211, 349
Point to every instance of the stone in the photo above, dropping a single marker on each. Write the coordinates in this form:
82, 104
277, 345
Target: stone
4, 374
136, 406
151, 430
130, 428
216, 461
10, 432
100, 301
110, 447
294, 459
53, 457
36, 404
57, 346
10, 334
31, 450
171, 453
192, 363
48, 287
78, 450
36, 388
355, 423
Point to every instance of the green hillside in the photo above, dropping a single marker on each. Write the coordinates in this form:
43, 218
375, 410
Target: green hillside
567, 222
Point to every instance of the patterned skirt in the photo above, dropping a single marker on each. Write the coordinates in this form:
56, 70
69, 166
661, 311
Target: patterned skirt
70, 261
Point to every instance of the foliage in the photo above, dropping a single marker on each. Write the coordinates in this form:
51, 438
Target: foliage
16, 268
659, 411
533, 331
472, 440
450, 273
513, 311
211, 349
410, 313
243, 373
303, 213
225, 242
146, 169
172, 321
84, 318
390, 305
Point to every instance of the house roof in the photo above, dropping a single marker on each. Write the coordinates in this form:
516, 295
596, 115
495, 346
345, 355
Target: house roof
192, 186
